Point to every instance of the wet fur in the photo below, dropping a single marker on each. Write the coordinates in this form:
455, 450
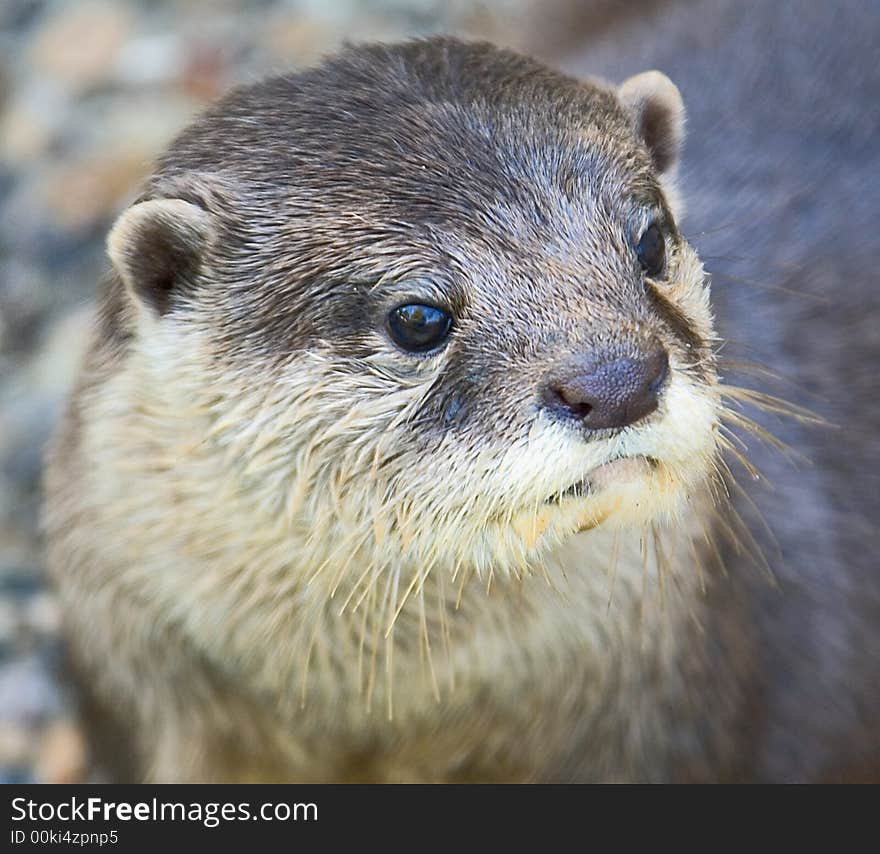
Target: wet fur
339, 641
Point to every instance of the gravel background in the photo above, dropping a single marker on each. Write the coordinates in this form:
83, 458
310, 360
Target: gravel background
89, 93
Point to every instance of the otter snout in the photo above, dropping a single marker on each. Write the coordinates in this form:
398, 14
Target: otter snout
613, 393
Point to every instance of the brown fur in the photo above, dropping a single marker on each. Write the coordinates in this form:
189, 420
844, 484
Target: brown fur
287, 550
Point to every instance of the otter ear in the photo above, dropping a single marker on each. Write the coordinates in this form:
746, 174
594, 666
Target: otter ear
657, 111
157, 247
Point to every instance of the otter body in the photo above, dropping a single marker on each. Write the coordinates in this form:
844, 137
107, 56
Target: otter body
397, 454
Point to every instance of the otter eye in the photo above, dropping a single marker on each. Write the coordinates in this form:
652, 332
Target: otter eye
651, 251
418, 328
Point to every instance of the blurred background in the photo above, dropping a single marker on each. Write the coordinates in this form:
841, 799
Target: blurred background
91, 91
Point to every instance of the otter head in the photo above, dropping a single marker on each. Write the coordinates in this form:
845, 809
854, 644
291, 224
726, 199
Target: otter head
427, 303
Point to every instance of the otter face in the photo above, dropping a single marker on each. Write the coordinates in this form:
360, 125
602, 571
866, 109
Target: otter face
429, 288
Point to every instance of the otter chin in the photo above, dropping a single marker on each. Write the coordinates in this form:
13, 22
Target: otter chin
624, 491
616, 471
379, 336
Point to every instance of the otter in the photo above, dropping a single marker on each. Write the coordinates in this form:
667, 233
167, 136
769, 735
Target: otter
397, 454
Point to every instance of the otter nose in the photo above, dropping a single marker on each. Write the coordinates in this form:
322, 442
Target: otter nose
613, 394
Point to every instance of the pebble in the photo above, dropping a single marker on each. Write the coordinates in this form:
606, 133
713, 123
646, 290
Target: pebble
16, 745
150, 60
28, 692
30, 122
79, 43
61, 754
9, 623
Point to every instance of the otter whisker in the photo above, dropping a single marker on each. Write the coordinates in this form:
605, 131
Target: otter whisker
750, 368
377, 570
757, 551
697, 561
662, 564
728, 446
361, 637
457, 568
757, 430
345, 564
708, 359
731, 438
713, 545
426, 639
611, 574
765, 286
377, 622
759, 516
389, 639
369, 570
772, 403
415, 579
716, 482
728, 477
465, 576
444, 628
643, 553
748, 547
316, 616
